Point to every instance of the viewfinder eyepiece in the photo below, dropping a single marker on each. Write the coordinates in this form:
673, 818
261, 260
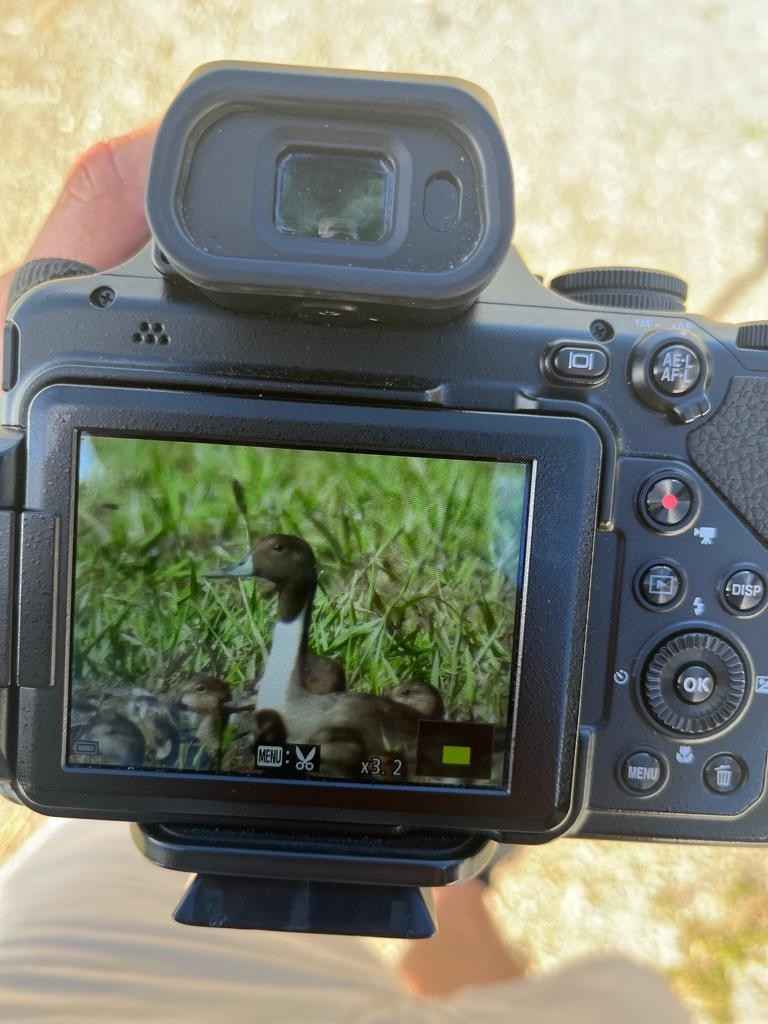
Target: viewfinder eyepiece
334, 195
275, 188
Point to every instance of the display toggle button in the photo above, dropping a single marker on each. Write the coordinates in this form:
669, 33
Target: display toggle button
580, 364
744, 591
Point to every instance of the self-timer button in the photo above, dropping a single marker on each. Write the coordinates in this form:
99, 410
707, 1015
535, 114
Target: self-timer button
667, 502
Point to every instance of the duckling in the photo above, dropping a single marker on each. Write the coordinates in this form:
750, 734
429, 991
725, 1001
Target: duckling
143, 702
289, 562
267, 727
164, 738
342, 751
81, 713
422, 697
207, 698
158, 719
121, 743
323, 674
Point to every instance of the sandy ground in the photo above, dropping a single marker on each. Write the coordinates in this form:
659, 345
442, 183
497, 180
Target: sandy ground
639, 135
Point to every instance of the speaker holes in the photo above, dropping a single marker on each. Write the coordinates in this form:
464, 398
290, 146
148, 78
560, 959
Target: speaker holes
151, 333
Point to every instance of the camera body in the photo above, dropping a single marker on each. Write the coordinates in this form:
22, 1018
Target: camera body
633, 642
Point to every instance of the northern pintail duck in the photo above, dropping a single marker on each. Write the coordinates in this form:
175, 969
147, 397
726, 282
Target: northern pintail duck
381, 723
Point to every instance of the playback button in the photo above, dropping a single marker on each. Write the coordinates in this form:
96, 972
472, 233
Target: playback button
659, 585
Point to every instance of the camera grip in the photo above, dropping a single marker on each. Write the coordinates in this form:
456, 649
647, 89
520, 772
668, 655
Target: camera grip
731, 451
36, 272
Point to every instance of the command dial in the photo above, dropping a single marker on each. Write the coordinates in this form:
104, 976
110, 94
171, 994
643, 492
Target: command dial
694, 683
623, 288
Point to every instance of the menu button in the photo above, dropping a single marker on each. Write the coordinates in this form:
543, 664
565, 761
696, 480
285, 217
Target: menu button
642, 772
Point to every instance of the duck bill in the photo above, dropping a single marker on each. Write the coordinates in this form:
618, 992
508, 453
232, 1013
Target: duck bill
245, 703
242, 570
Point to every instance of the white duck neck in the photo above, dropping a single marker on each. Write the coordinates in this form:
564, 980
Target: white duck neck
280, 681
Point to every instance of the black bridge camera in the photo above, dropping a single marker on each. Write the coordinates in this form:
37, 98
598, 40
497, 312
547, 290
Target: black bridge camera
336, 546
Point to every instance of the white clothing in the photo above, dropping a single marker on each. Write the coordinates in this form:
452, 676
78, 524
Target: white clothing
86, 935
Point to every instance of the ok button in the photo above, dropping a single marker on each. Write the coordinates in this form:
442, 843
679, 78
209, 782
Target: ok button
694, 684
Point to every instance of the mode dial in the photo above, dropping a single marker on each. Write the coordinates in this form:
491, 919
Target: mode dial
623, 288
694, 683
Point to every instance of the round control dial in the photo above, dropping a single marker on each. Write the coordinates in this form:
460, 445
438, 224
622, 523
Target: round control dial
623, 288
694, 683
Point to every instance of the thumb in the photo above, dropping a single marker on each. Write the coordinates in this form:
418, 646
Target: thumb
98, 218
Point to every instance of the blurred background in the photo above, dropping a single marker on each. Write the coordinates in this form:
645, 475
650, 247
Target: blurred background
639, 135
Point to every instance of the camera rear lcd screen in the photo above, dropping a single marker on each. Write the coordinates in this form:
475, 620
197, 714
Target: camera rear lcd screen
294, 613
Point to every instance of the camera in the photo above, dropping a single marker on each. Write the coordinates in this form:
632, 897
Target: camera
328, 528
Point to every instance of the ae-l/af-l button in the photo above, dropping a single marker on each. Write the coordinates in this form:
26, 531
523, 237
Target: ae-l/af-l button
676, 369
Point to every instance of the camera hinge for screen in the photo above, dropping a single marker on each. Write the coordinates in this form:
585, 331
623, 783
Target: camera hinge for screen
36, 610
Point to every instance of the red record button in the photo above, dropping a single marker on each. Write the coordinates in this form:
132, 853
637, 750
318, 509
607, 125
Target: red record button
668, 502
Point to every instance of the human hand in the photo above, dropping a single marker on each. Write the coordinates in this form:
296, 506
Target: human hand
466, 949
98, 218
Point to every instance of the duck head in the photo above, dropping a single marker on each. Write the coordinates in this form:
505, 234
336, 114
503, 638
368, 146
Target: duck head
286, 561
267, 727
422, 697
205, 695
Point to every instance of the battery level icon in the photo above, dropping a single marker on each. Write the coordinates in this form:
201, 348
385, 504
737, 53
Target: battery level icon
455, 755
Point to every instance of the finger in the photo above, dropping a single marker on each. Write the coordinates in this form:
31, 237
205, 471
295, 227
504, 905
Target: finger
98, 218
5, 287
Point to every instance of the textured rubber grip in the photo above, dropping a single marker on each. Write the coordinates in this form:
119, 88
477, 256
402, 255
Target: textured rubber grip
39, 271
731, 450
